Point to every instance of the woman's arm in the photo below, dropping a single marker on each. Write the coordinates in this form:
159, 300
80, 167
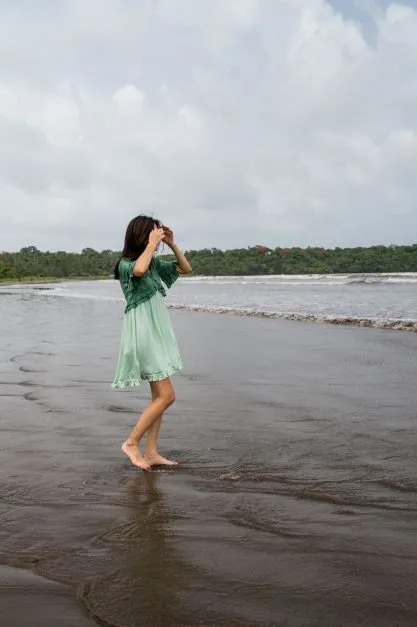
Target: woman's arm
184, 266
144, 260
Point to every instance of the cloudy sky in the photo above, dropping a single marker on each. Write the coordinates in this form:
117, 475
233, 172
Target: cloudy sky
280, 122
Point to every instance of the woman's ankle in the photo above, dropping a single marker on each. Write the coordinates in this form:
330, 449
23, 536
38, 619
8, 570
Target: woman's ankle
131, 442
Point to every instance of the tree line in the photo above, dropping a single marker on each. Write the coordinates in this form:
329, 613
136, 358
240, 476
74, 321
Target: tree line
31, 263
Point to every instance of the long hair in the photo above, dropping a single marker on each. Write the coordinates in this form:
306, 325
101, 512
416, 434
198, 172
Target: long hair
136, 238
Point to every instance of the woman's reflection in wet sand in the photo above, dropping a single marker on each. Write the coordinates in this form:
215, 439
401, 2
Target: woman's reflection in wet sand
150, 573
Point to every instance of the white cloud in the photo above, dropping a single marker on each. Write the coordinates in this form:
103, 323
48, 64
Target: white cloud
236, 121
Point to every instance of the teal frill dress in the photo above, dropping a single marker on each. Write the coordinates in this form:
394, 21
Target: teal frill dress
148, 348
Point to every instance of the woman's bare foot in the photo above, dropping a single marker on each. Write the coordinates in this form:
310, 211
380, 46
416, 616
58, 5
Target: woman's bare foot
130, 449
155, 459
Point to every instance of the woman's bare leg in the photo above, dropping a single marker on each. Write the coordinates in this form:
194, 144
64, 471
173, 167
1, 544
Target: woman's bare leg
153, 431
151, 450
165, 396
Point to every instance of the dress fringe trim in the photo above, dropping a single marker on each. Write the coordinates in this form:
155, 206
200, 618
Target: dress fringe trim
135, 381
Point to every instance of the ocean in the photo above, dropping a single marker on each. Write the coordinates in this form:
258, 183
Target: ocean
374, 300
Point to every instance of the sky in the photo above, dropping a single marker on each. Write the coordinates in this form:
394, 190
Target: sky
236, 122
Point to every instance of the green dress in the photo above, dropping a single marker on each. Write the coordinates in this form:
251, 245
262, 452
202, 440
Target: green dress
148, 348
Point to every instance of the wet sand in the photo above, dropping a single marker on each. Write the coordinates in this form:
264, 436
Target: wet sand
27, 599
295, 504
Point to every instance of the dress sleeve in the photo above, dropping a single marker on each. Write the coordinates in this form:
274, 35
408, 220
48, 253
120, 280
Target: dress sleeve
126, 268
167, 271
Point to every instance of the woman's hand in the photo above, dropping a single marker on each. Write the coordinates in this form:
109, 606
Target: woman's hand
183, 265
168, 235
156, 237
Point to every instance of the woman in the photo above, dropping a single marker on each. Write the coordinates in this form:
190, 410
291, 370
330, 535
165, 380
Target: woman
148, 349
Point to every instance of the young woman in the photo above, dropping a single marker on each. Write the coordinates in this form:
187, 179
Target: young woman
148, 349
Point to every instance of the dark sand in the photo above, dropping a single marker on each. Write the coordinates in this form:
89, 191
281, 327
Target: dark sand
29, 600
295, 505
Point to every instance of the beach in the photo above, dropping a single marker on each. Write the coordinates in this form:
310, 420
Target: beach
295, 502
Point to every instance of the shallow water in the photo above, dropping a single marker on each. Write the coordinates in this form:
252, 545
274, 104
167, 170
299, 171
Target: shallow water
379, 299
296, 501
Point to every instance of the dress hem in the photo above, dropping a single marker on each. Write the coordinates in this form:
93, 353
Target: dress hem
136, 381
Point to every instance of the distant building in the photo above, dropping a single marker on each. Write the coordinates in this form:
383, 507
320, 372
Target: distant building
262, 249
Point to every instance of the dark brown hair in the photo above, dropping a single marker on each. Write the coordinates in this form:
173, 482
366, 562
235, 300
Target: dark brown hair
136, 238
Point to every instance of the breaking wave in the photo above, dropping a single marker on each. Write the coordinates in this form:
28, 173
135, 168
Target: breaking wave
310, 279
397, 325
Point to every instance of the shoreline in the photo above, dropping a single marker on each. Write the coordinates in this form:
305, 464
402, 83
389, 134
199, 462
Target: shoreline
346, 321
45, 280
